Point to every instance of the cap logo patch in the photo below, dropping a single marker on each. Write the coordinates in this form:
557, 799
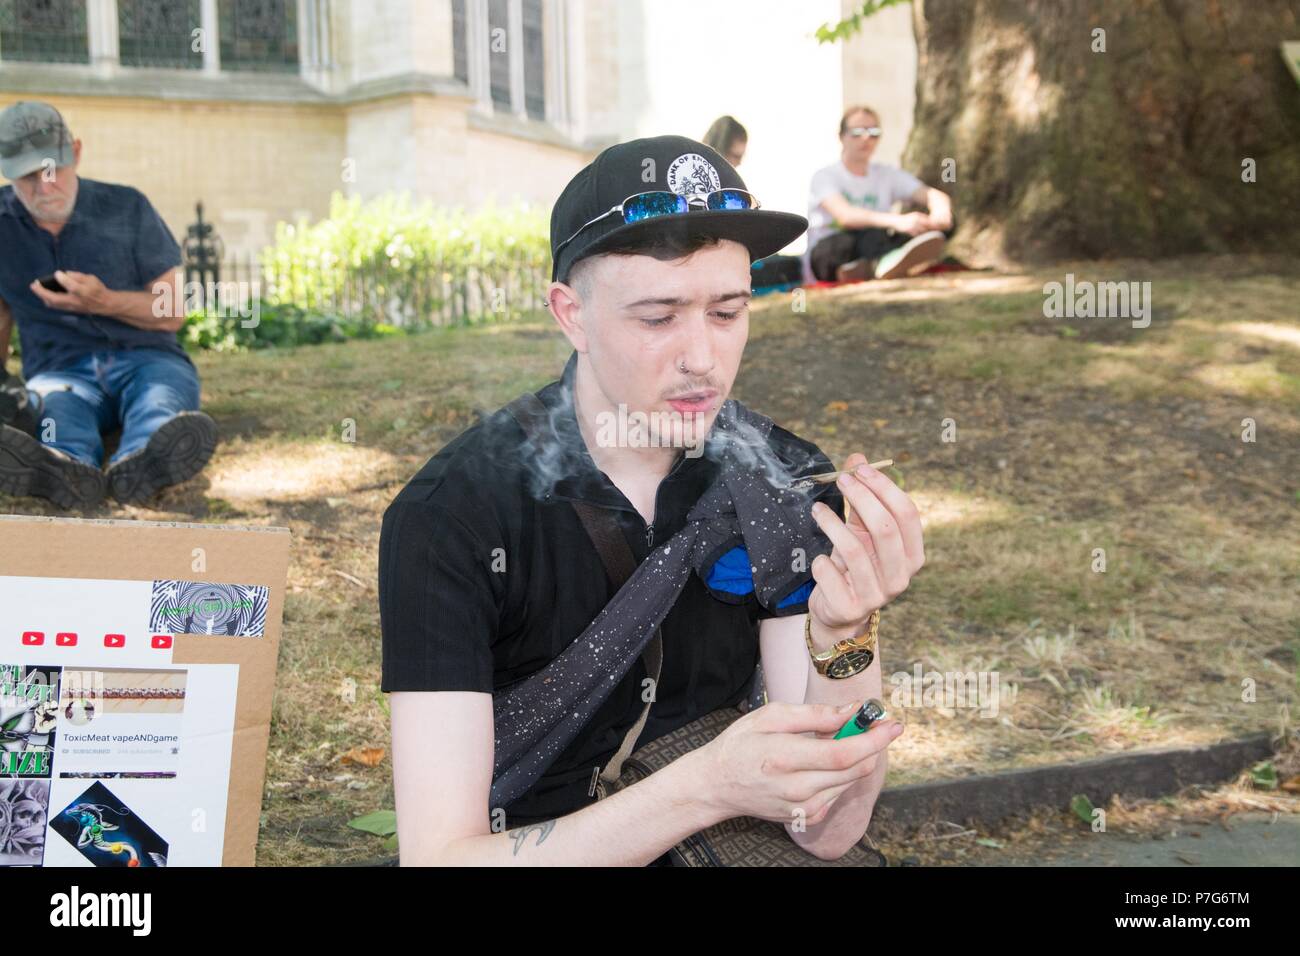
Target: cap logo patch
691, 174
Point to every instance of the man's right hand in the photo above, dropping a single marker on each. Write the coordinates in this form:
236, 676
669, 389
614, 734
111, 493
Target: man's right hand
764, 766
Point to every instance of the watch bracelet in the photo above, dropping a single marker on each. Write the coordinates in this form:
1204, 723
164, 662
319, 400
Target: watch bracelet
871, 632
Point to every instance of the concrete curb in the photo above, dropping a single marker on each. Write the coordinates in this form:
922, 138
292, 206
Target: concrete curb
990, 798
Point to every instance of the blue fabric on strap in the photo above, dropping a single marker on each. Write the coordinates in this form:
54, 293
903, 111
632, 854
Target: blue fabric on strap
731, 573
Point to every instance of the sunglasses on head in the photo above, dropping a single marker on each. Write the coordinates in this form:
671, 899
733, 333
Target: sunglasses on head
857, 132
663, 203
34, 139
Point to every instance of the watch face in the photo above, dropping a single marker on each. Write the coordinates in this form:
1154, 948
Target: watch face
850, 663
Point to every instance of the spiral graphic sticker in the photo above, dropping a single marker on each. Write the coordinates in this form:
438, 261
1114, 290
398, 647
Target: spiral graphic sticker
194, 607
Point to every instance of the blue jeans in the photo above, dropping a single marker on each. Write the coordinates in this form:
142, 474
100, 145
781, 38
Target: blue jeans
138, 389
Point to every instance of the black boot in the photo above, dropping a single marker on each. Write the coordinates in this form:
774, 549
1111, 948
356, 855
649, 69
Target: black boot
176, 452
16, 407
28, 467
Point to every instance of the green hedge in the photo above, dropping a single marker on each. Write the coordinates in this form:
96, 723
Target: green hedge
278, 326
388, 260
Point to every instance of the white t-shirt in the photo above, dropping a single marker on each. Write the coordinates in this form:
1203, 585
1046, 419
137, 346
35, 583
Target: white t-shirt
878, 190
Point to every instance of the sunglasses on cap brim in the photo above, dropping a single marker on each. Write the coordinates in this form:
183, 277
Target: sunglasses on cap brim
658, 203
36, 139
857, 132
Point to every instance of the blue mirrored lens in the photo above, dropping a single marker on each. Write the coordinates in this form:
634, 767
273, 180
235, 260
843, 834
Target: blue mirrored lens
729, 199
649, 205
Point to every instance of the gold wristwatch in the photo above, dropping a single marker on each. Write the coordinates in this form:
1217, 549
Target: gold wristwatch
847, 657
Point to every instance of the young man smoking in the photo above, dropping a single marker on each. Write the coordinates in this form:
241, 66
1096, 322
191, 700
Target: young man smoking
487, 574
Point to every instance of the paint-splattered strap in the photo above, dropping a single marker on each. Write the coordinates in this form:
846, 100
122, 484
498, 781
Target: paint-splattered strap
615, 554
601, 526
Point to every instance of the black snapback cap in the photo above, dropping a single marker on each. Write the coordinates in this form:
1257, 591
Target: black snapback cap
672, 163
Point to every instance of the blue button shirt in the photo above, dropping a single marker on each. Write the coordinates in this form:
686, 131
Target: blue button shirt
114, 234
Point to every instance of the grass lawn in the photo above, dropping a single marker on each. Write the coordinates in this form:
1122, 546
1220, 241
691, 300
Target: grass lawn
1070, 436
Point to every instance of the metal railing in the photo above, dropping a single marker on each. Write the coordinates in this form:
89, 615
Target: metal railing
419, 294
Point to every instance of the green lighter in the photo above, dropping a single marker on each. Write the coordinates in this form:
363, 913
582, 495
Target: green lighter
867, 715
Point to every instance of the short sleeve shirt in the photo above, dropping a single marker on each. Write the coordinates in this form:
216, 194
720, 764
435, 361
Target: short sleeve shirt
485, 578
878, 190
115, 234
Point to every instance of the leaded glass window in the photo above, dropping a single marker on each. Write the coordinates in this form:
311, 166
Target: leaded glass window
44, 31
499, 40
534, 66
159, 33
459, 51
259, 35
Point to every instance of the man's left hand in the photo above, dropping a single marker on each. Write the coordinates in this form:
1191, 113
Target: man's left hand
85, 293
874, 558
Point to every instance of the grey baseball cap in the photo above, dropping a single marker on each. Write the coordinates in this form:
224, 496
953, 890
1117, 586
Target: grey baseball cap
30, 134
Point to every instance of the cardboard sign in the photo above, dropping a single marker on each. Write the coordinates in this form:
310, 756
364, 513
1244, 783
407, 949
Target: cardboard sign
137, 661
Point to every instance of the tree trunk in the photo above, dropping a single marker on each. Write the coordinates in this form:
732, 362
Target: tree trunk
1061, 151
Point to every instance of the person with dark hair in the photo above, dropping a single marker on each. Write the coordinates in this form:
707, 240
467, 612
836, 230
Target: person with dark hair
853, 233
492, 570
728, 138
89, 272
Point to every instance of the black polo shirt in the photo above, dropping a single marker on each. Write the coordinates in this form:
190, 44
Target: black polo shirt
115, 234
482, 583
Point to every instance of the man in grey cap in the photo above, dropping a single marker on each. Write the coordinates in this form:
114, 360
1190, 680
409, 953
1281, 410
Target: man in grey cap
89, 275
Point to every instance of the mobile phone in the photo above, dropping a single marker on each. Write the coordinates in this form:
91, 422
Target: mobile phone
51, 283
869, 714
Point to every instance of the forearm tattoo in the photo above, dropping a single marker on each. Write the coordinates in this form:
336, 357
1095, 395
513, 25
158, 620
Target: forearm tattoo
519, 834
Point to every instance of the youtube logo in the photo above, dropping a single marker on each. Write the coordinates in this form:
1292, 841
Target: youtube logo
33, 638
162, 641
65, 639
115, 640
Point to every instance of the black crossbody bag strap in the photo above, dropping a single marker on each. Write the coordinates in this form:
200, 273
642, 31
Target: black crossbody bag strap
619, 563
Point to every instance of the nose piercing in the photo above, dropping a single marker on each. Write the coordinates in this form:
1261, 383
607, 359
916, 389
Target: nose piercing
682, 366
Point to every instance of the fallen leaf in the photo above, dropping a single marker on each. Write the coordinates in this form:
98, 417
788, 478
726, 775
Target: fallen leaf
837, 406
366, 756
1082, 807
350, 578
1264, 775
381, 822
880, 422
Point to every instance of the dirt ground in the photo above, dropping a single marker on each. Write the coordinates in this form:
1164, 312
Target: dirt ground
1036, 448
